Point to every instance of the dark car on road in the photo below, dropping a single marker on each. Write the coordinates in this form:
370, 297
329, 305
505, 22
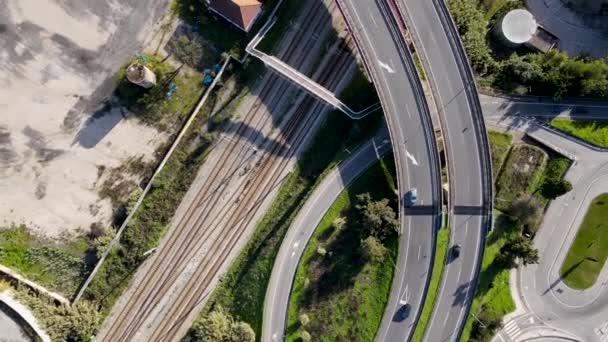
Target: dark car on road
455, 251
402, 313
411, 198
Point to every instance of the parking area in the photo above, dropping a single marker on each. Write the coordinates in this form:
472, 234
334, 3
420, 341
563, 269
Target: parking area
58, 127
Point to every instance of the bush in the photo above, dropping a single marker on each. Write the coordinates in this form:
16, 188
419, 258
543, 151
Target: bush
472, 28
527, 210
553, 188
63, 323
372, 249
377, 217
220, 326
304, 320
187, 50
305, 336
518, 247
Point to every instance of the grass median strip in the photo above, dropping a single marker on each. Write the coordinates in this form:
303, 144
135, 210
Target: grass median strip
588, 253
340, 291
594, 132
500, 144
443, 239
493, 296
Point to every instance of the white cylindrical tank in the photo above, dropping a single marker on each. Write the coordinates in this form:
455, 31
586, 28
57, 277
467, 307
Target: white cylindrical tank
142, 76
517, 27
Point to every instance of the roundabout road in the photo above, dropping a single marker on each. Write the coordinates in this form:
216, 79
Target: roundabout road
550, 305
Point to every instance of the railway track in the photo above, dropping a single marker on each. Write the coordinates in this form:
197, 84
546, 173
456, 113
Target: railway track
205, 213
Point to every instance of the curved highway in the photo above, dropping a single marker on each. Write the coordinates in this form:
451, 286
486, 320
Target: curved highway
308, 218
388, 60
470, 174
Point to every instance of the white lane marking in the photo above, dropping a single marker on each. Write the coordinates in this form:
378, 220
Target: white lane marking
419, 250
296, 244
373, 20
293, 254
411, 157
386, 67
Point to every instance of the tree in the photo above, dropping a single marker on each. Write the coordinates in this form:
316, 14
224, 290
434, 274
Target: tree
518, 247
220, 326
372, 249
305, 336
522, 70
527, 211
553, 188
472, 28
304, 320
77, 323
188, 51
338, 223
103, 242
242, 332
377, 217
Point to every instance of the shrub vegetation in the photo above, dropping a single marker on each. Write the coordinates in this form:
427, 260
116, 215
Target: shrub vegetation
522, 71
59, 266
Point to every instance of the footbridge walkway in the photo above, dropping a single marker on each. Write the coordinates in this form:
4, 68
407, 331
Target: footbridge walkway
302, 80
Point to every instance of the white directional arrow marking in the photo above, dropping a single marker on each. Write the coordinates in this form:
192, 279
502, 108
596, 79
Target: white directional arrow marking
386, 67
411, 157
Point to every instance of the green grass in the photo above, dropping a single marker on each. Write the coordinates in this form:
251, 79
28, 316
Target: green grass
347, 302
58, 266
589, 250
594, 132
243, 287
493, 296
419, 66
443, 239
500, 144
522, 174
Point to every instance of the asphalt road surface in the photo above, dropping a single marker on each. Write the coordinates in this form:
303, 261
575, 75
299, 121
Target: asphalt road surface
393, 72
304, 225
468, 156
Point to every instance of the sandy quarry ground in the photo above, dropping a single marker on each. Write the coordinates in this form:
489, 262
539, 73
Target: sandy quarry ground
57, 64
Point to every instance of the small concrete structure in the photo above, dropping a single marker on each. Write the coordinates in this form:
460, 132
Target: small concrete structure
23, 316
517, 27
142, 76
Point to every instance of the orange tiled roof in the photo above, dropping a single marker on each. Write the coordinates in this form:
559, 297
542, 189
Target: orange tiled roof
239, 12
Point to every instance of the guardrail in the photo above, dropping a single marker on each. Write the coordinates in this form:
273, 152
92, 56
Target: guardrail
435, 171
474, 104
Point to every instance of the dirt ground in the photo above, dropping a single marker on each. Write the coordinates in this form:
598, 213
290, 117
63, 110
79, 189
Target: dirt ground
58, 62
